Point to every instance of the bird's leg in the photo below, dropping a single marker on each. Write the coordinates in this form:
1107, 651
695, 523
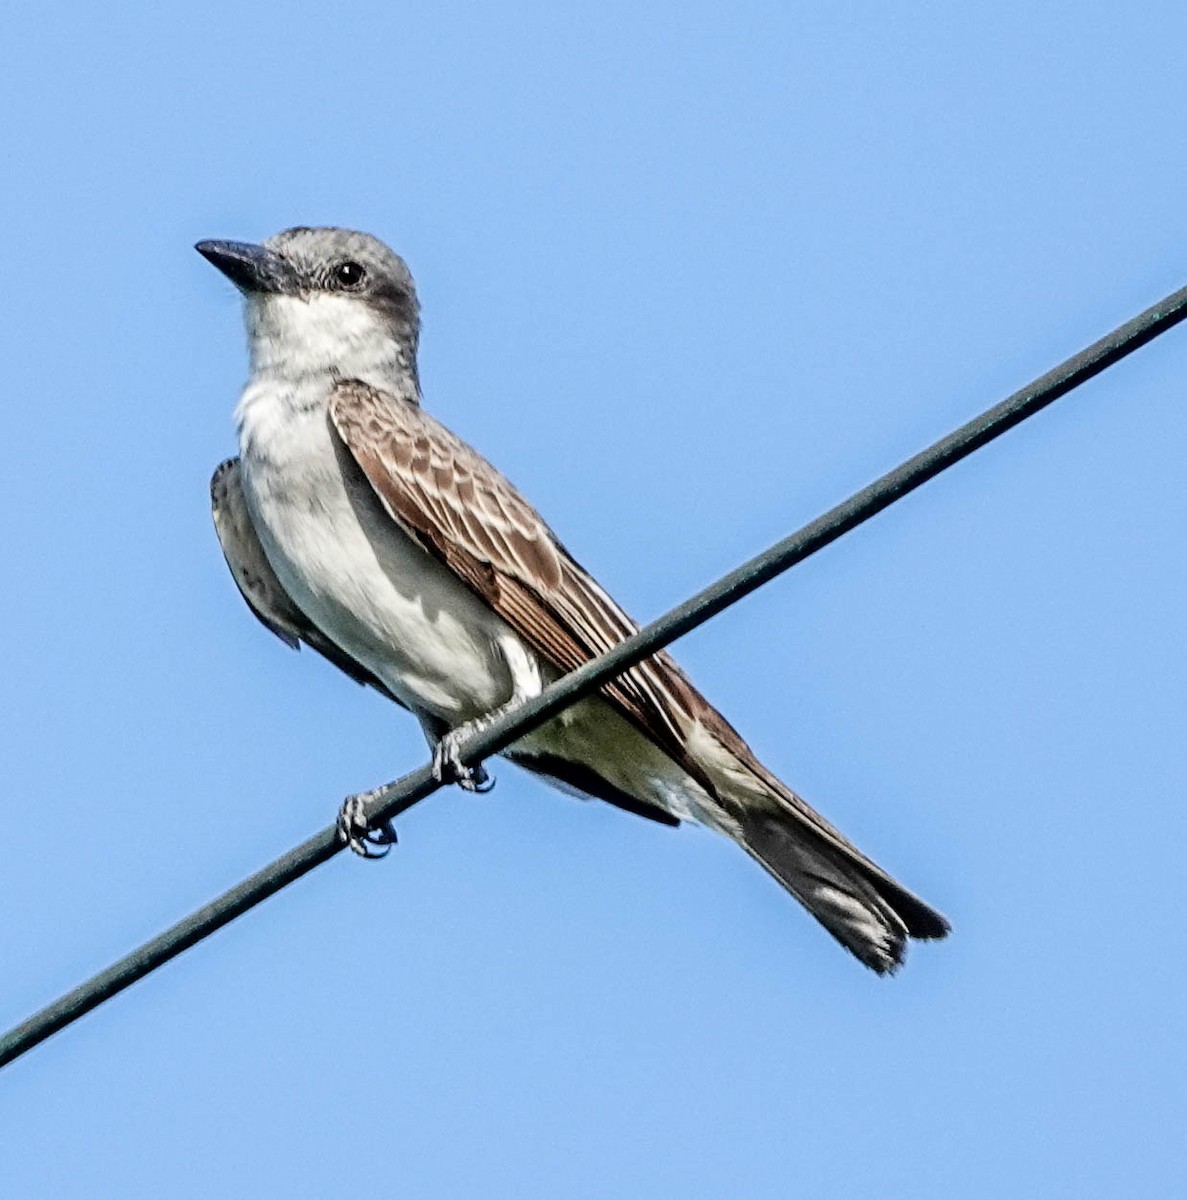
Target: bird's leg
446, 743
447, 763
451, 770
354, 830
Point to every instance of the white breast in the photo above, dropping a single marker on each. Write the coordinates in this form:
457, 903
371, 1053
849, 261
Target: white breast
353, 571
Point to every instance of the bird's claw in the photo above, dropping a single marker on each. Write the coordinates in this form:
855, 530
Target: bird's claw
449, 768
354, 830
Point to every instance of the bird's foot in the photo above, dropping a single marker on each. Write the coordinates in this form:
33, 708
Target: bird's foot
447, 763
354, 830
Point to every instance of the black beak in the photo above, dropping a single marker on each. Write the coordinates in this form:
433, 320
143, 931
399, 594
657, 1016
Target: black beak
249, 267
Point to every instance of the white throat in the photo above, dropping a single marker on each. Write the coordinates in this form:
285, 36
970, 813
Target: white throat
301, 347
294, 337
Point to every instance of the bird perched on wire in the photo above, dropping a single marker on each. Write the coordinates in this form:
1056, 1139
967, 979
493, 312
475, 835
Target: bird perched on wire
354, 522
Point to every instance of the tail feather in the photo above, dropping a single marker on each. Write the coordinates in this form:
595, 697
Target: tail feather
870, 914
836, 895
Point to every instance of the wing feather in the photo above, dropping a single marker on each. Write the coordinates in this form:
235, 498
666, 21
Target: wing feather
463, 511
258, 584
478, 524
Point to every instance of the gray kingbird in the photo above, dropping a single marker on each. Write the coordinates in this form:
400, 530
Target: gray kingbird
355, 523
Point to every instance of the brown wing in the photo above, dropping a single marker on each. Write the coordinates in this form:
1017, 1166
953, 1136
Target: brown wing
446, 494
467, 514
463, 511
257, 582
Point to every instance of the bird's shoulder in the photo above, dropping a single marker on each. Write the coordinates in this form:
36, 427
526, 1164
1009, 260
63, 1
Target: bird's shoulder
443, 489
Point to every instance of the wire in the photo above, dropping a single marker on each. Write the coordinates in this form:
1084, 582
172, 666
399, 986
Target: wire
396, 798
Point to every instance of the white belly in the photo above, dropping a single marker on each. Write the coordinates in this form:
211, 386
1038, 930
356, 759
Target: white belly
357, 575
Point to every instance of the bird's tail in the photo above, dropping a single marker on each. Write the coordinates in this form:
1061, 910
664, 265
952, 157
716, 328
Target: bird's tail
868, 912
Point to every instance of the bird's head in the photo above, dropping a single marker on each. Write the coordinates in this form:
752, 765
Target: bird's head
323, 301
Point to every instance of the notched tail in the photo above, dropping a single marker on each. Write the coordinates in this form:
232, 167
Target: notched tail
870, 914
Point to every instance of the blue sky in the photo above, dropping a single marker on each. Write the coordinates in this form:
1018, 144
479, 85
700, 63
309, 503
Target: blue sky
691, 274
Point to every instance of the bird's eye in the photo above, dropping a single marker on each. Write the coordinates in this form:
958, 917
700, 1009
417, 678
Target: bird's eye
349, 274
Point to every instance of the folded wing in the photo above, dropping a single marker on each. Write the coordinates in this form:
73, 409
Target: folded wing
258, 584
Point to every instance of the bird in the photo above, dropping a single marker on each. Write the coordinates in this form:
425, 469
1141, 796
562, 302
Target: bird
355, 523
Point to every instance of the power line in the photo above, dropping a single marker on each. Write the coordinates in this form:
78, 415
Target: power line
396, 798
